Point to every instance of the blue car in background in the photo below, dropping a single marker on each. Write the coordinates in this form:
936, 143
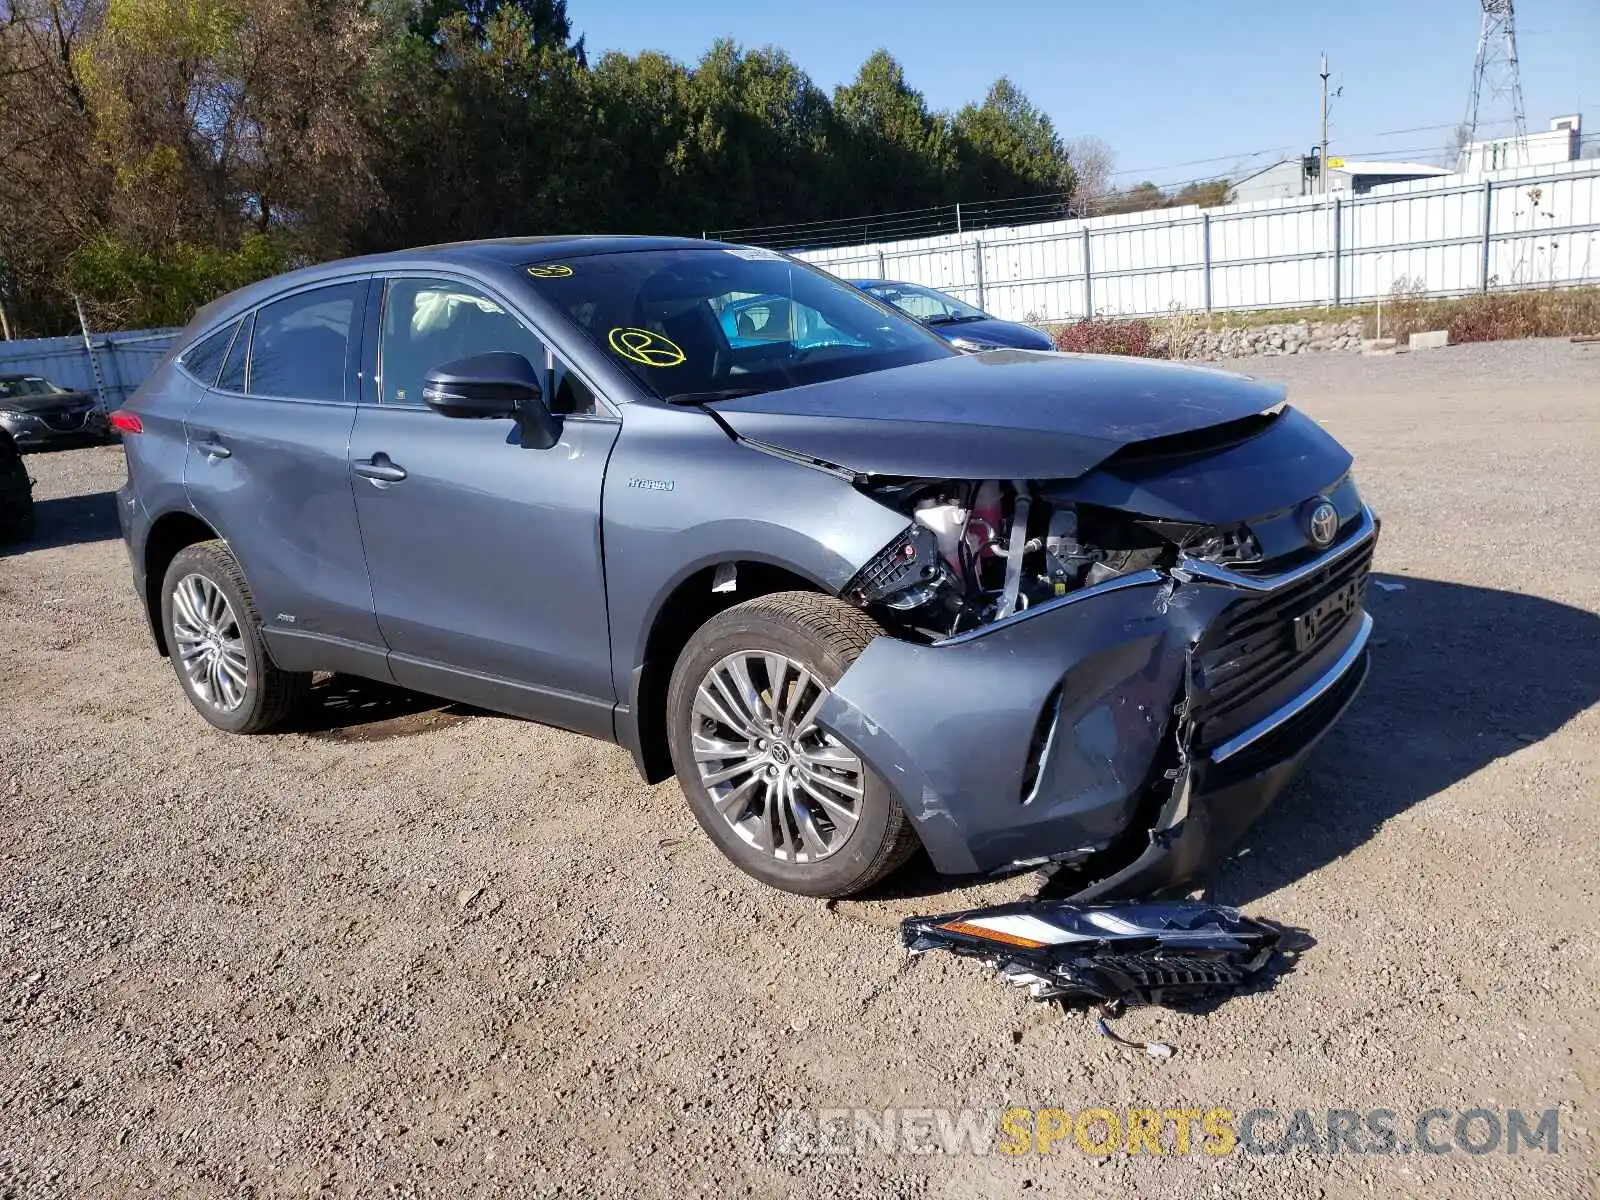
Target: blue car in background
959, 323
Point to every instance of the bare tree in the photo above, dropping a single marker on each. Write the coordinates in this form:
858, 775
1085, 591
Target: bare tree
153, 151
1093, 160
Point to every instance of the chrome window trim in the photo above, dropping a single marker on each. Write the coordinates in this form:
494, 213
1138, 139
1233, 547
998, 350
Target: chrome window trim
1210, 571
1302, 701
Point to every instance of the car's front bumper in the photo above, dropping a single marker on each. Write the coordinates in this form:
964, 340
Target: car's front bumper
1080, 732
34, 432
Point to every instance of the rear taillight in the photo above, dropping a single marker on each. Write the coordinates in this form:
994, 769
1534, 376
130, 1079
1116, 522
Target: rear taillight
126, 421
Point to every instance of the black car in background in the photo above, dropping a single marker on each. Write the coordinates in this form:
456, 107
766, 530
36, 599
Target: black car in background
41, 415
964, 326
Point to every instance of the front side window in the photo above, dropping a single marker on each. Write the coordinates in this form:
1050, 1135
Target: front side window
302, 344
203, 359
699, 323
430, 322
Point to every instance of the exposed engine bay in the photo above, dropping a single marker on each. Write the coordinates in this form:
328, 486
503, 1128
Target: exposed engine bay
976, 552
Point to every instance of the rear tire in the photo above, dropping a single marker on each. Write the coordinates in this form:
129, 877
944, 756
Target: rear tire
213, 634
784, 801
16, 494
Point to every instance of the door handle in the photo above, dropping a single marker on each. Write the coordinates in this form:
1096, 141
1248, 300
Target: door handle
379, 469
213, 447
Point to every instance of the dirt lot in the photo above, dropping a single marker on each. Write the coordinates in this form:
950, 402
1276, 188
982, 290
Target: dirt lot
410, 952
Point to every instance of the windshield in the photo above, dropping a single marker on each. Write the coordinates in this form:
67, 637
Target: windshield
28, 385
701, 324
925, 304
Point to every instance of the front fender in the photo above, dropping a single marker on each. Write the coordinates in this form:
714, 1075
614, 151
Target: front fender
681, 495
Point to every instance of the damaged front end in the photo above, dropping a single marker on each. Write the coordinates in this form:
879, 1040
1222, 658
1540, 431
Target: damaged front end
1124, 604
1150, 953
1111, 677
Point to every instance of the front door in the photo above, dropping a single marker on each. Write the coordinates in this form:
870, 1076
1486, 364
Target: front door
484, 557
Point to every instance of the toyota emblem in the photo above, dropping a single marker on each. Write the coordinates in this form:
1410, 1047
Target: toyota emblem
1322, 522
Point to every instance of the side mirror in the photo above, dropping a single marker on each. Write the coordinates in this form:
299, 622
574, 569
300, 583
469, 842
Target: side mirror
498, 384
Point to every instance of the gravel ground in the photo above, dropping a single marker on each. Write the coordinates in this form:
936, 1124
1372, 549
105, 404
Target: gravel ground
413, 952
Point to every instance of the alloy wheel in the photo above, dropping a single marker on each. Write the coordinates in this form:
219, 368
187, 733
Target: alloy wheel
784, 786
208, 643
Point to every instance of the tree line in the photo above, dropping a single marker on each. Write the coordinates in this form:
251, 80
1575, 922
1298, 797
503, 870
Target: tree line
156, 153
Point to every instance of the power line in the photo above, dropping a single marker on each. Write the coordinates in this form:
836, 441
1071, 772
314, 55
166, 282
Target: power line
904, 216
1447, 125
937, 220
1198, 162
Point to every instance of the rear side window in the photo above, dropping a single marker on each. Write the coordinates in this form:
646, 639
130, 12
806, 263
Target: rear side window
232, 378
301, 344
203, 359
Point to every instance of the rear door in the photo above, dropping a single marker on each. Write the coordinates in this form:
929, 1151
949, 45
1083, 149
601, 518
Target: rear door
484, 557
268, 467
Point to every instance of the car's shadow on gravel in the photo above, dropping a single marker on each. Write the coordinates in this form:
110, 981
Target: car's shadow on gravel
70, 521
347, 708
1460, 676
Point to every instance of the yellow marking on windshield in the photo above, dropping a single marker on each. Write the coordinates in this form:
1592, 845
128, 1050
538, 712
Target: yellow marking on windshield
645, 347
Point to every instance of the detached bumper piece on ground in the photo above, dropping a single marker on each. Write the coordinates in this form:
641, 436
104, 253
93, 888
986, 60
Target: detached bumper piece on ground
1139, 953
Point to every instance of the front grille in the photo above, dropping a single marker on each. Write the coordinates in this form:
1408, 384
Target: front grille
1262, 641
65, 420
1293, 735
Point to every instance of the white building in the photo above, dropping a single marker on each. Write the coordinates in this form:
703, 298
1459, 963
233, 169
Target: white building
1559, 144
1291, 178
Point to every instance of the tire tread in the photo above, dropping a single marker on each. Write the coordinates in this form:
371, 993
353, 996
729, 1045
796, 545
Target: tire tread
16, 494
282, 692
846, 631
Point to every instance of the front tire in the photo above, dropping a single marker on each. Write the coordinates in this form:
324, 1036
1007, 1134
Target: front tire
213, 636
785, 801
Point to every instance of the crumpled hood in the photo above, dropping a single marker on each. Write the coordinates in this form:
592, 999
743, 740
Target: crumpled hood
1004, 414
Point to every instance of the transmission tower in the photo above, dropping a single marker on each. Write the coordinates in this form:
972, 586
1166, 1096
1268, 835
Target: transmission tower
1496, 82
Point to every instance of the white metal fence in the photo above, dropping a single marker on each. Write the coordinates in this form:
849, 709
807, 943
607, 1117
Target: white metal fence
1533, 228
109, 366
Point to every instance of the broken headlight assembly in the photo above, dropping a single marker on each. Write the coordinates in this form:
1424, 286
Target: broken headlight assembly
978, 552
1151, 952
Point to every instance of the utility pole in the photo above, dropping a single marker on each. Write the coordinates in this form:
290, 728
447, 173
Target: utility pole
1322, 156
94, 362
1497, 80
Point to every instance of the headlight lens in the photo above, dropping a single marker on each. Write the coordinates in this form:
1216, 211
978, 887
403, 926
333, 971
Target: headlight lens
968, 346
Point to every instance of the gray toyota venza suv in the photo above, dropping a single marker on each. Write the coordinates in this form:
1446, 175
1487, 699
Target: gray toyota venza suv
860, 591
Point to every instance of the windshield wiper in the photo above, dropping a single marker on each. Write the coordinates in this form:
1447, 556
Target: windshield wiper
713, 397
954, 320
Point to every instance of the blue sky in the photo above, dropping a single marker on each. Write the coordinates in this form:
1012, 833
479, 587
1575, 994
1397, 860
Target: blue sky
1164, 82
